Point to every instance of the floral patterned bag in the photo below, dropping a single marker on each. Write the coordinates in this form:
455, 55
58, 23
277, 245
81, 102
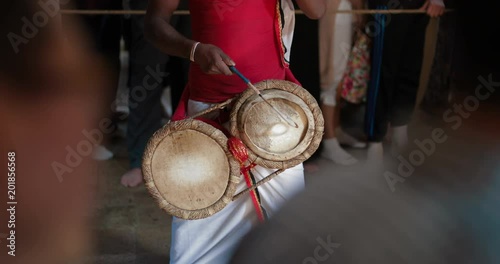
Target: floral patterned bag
355, 81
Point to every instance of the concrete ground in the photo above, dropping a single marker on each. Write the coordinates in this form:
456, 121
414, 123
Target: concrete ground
129, 227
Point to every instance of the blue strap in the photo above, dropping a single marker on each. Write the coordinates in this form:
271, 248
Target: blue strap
376, 72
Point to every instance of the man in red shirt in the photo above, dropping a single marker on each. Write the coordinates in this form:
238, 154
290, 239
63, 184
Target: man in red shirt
256, 36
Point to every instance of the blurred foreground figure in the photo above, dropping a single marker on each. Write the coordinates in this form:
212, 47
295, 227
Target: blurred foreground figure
444, 212
48, 98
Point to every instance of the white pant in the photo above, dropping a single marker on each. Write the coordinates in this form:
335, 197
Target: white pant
335, 41
214, 239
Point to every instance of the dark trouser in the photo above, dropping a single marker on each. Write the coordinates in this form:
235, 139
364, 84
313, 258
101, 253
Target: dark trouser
106, 33
305, 55
146, 77
401, 62
147, 73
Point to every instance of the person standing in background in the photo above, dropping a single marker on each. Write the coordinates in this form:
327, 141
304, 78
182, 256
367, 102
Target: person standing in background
105, 34
398, 51
335, 41
441, 80
148, 70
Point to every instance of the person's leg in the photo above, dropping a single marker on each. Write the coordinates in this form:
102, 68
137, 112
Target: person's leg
450, 26
437, 78
326, 32
147, 70
214, 239
343, 137
386, 56
408, 80
440, 80
335, 34
106, 31
326, 70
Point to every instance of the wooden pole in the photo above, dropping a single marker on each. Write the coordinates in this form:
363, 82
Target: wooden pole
186, 12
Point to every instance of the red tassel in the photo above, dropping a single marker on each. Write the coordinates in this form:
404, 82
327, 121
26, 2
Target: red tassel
240, 153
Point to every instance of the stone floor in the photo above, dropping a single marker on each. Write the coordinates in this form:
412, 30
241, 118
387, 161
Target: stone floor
130, 228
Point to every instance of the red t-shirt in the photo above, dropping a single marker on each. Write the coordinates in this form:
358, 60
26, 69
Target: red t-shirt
250, 33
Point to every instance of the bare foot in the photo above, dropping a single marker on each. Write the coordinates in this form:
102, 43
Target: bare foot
132, 178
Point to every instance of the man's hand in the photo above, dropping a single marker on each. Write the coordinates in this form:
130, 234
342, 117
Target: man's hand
212, 60
433, 8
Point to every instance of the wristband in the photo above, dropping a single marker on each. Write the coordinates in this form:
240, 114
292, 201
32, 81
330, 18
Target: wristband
193, 50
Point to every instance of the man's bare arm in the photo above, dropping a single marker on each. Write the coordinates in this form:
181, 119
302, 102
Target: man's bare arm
313, 9
158, 30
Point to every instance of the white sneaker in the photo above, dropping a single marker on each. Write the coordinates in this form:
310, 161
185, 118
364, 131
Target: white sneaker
334, 152
101, 153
